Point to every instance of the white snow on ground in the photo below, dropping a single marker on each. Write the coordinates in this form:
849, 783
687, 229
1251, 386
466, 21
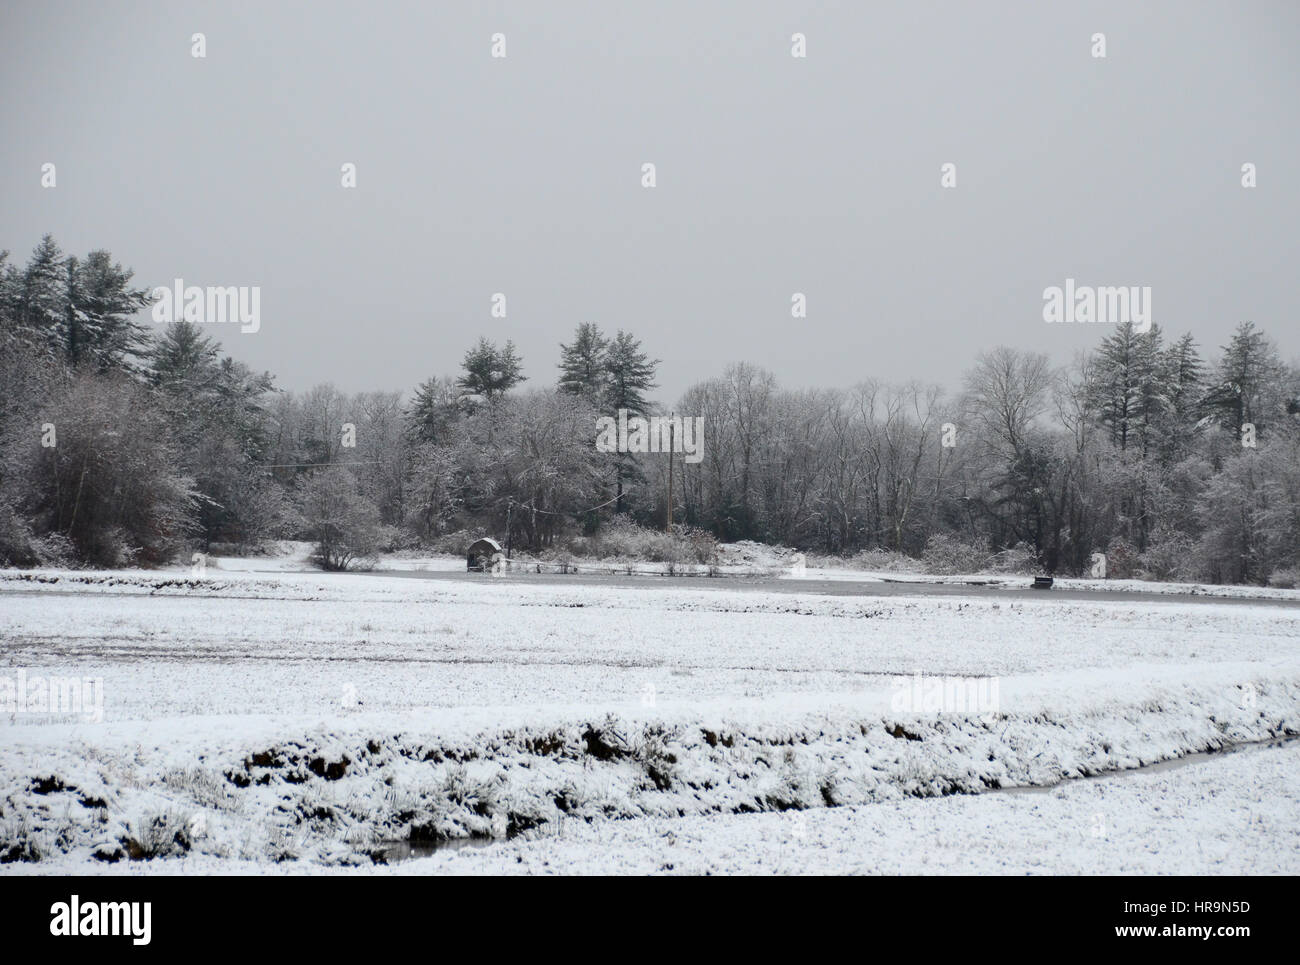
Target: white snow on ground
735, 560
1233, 814
293, 643
316, 716
294, 556
284, 556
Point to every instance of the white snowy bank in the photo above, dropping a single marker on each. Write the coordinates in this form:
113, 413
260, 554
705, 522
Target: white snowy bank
336, 792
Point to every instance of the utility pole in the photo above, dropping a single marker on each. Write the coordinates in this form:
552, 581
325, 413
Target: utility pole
671, 439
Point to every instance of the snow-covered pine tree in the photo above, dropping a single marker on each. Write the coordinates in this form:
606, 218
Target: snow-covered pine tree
431, 410
1153, 388
490, 372
1184, 377
78, 311
99, 325
1128, 392
40, 302
1248, 382
630, 375
583, 365
183, 361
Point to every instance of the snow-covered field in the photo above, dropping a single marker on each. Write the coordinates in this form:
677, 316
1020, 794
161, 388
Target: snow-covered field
298, 721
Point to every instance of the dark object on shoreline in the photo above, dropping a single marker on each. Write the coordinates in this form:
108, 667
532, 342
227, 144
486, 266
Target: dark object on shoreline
1042, 582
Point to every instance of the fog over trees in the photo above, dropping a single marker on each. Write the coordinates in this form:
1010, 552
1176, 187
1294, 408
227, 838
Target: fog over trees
126, 444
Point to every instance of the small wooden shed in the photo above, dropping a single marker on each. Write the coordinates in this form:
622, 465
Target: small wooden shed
484, 556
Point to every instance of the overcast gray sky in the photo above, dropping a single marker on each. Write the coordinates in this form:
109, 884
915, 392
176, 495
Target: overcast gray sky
775, 175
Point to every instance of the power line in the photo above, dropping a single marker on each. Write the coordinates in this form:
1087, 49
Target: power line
580, 512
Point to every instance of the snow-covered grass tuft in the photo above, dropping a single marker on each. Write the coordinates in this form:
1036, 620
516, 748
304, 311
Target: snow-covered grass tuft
338, 795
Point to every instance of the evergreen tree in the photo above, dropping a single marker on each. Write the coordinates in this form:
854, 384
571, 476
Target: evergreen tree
490, 372
1127, 393
1116, 392
216, 408
78, 311
1248, 381
630, 374
41, 298
183, 361
431, 411
584, 364
1184, 375
1152, 387
99, 326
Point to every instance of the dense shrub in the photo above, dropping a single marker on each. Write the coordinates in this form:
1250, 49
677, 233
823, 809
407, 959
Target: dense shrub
1018, 560
1121, 560
947, 555
621, 538
1171, 556
19, 546
1285, 579
871, 561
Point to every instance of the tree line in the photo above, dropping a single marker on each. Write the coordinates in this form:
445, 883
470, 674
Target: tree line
124, 444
